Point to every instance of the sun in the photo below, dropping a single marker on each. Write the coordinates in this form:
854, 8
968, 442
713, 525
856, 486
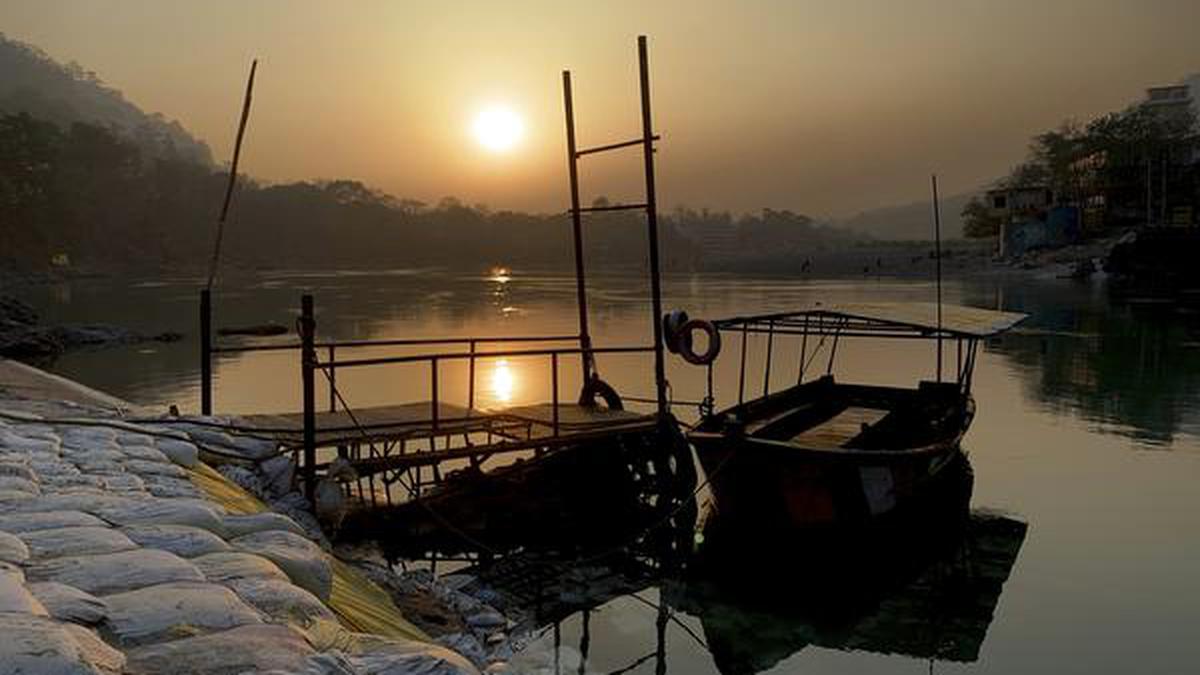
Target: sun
498, 128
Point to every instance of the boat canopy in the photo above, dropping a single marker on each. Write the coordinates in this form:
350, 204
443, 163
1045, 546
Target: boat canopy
881, 319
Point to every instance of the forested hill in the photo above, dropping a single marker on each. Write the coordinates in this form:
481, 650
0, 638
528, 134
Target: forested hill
86, 176
32, 82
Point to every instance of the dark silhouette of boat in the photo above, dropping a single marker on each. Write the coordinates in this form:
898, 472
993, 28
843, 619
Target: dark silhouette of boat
825, 452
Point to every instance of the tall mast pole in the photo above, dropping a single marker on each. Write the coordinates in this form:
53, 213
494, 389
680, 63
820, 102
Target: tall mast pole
660, 376
937, 243
585, 339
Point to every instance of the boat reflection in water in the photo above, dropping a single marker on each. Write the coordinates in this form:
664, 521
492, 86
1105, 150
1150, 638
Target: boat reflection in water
923, 584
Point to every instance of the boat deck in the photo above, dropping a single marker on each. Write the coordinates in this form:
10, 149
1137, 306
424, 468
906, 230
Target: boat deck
417, 420
839, 429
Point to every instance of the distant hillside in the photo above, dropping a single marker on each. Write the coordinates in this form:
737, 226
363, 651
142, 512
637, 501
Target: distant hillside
909, 222
34, 83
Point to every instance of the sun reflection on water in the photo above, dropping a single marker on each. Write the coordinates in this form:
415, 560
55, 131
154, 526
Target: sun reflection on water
503, 382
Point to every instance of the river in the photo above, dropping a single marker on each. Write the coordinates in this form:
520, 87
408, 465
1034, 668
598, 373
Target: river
1087, 432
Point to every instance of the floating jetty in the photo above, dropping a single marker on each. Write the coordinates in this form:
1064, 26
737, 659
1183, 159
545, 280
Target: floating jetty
387, 454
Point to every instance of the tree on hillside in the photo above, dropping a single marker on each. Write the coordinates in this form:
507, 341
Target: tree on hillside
978, 220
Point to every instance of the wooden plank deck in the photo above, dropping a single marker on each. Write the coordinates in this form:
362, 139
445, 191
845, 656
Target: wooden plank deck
837, 430
414, 420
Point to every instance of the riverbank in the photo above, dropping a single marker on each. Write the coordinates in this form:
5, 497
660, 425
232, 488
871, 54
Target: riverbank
125, 547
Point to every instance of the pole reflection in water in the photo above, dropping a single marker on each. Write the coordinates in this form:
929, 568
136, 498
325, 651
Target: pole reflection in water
923, 584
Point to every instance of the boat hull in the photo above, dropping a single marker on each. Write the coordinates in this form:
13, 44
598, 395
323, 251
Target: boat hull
776, 484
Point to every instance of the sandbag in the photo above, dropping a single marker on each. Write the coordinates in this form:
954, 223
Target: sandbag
252, 648
146, 452
14, 597
116, 572
173, 610
12, 549
182, 540
193, 512
281, 600
143, 468
34, 644
17, 523
224, 567
180, 452
168, 487
126, 482
75, 541
17, 468
69, 603
88, 503
240, 525
17, 483
303, 561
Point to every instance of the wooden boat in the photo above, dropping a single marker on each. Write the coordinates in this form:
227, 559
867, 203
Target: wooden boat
826, 452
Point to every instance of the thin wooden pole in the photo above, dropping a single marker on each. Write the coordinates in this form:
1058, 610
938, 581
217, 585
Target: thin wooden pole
206, 377
660, 375
585, 338
937, 242
308, 358
233, 166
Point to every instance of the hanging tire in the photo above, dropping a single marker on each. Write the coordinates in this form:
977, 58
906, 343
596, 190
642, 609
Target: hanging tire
597, 387
686, 346
673, 334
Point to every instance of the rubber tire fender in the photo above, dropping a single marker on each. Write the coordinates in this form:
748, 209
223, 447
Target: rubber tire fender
714, 342
598, 387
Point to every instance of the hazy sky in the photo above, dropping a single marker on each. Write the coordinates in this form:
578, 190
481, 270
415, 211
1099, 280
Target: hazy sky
823, 107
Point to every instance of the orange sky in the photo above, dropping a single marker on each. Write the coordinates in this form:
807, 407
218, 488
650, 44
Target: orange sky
822, 107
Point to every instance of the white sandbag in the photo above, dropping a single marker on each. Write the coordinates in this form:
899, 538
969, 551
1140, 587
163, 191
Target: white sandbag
41, 645
75, 541
143, 468
12, 549
182, 540
164, 486
281, 600
68, 603
17, 523
56, 484
14, 500
194, 512
147, 453
183, 453
253, 648
169, 611
17, 468
224, 567
239, 525
107, 453
14, 596
96, 466
126, 482
303, 561
390, 656
280, 474
116, 572
88, 503
17, 483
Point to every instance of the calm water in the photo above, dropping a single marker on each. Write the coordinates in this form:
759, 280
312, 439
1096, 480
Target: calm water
1087, 431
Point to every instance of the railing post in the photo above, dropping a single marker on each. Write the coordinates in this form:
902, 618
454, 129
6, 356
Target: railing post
585, 339
433, 391
206, 383
660, 374
554, 389
332, 382
770, 348
308, 358
471, 381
